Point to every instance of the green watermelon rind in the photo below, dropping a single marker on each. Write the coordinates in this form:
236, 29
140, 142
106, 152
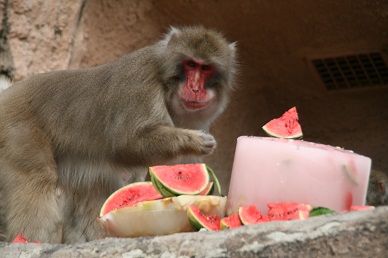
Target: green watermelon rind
194, 221
215, 179
318, 211
161, 189
165, 189
209, 191
269, 132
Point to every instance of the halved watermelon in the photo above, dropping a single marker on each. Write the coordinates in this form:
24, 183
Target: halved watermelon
182, 179
199, 220
129, 195
286, 126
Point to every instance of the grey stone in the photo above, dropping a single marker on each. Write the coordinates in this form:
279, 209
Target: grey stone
354, 234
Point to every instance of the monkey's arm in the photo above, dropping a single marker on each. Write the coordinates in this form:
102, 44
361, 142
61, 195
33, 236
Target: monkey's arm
157, 144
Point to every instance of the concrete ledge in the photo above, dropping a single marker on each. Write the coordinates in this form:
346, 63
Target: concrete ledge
356, 234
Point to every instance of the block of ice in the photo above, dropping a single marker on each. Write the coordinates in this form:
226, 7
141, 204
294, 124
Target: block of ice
269, 170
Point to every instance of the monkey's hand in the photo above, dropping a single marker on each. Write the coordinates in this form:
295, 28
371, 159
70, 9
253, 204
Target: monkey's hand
206, 142
159, 144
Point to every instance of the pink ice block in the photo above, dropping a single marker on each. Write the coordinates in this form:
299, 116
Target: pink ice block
270, 170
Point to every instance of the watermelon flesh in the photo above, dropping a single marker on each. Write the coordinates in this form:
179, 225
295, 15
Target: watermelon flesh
20, 239
232, 221
129, 195
288, 211
286, 126
249, 215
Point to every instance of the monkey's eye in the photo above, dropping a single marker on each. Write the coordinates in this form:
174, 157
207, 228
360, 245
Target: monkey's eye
205, 67
191, 63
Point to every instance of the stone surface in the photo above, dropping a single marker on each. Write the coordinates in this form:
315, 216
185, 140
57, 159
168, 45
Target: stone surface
41, 34
355, 234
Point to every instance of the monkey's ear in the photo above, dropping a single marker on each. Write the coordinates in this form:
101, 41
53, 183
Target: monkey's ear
174, 33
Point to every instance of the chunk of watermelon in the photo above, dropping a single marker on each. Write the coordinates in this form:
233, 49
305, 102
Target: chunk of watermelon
20, 239
129, 195
286, 126
288, 211
199, 220
250, 215
183, 179
232, 221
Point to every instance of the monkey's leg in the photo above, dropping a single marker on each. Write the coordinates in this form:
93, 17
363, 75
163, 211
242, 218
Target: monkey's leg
87, 183
81, 223
30, 194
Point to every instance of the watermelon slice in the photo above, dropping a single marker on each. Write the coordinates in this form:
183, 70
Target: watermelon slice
199, 220
286, 126
232, 221
182, 179
129, 195
249, 215
288, 211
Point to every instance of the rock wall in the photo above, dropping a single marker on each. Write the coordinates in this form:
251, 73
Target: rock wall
41, 34
275, 41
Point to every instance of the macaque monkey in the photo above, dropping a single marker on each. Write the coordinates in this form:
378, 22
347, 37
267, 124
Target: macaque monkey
377, 189
66, 136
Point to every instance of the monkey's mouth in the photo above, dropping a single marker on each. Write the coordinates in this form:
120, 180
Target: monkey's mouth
193, 104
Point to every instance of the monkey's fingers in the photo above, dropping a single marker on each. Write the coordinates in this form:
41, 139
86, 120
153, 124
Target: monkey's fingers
208, 143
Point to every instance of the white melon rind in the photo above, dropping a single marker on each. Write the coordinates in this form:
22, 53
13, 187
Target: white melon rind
159, 217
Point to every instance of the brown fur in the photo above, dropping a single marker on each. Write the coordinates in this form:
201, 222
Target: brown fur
66, 136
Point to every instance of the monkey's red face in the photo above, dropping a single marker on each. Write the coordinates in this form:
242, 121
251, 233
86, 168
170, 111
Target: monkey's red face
194, 94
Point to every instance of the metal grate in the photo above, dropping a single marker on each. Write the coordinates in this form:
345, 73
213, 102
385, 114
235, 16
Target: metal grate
352, 71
